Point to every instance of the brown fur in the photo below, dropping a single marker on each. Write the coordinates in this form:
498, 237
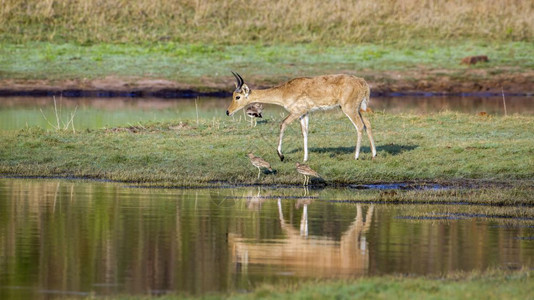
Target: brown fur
300, 96
303, 255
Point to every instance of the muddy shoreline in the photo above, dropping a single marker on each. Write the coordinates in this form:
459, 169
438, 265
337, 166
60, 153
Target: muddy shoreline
391, 83
408, 185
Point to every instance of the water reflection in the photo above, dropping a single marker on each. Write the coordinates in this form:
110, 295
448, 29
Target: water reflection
303, 255
19, 112
77, 238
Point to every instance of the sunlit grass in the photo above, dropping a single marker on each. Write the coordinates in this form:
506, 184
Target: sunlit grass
437, 147
491, 284
205, 65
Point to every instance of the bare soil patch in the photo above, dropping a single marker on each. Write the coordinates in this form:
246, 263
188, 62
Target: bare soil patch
382, 82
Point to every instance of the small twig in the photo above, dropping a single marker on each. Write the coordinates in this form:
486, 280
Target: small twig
61, 125
196, 108
71, 121
57, 115
49, 123
504, 101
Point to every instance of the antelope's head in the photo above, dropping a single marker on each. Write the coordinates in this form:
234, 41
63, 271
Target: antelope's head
240, 96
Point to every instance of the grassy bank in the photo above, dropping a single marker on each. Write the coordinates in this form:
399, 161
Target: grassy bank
487, 285
205, 65
190, 62
238, 22
491, 285
438, 147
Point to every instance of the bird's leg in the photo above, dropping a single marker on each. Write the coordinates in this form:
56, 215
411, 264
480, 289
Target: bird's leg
259, 171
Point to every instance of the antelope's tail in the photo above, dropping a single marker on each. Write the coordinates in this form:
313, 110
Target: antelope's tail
366, 99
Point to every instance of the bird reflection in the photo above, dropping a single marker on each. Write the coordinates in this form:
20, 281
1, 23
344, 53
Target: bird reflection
254, 201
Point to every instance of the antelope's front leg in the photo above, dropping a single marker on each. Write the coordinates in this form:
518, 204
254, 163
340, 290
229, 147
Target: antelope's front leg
283, 126
304, 126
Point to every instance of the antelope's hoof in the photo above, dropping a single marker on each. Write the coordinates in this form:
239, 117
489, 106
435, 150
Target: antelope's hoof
281, 156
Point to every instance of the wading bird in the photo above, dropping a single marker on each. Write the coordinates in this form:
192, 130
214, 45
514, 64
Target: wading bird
300, 96
259, 163
254, 111
307, 172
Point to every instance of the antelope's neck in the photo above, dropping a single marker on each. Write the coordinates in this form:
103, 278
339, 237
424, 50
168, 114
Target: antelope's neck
269, 96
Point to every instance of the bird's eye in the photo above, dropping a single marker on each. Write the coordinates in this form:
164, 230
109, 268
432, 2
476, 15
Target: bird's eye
237, 97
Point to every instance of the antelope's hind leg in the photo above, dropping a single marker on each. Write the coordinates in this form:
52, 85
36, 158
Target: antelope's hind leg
357, 121
369, 134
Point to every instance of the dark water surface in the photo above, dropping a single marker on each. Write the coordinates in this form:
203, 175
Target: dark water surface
68, 238
19, 112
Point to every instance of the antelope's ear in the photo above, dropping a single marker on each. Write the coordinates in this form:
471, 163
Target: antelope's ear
245, 89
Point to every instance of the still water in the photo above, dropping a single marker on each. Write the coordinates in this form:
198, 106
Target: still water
68, 238
93, 113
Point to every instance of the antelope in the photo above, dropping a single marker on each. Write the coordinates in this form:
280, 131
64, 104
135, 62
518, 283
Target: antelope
303, 95
305, 254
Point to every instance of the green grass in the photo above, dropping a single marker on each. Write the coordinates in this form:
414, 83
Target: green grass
207, 65
497, 285
494, 284
438, 147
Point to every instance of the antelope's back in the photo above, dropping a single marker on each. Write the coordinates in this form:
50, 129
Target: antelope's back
326, 88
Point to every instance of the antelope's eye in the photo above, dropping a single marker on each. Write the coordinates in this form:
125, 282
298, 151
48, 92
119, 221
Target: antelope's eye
237, 97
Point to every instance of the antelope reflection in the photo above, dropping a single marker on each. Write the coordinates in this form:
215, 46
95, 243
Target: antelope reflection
304, 255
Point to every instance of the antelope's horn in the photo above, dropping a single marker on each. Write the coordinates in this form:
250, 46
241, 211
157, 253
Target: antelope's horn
239, 82
241, 78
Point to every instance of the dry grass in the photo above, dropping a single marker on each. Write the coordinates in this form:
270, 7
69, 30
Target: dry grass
237, 21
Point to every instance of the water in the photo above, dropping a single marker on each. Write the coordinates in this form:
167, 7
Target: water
68, 238
20, 112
